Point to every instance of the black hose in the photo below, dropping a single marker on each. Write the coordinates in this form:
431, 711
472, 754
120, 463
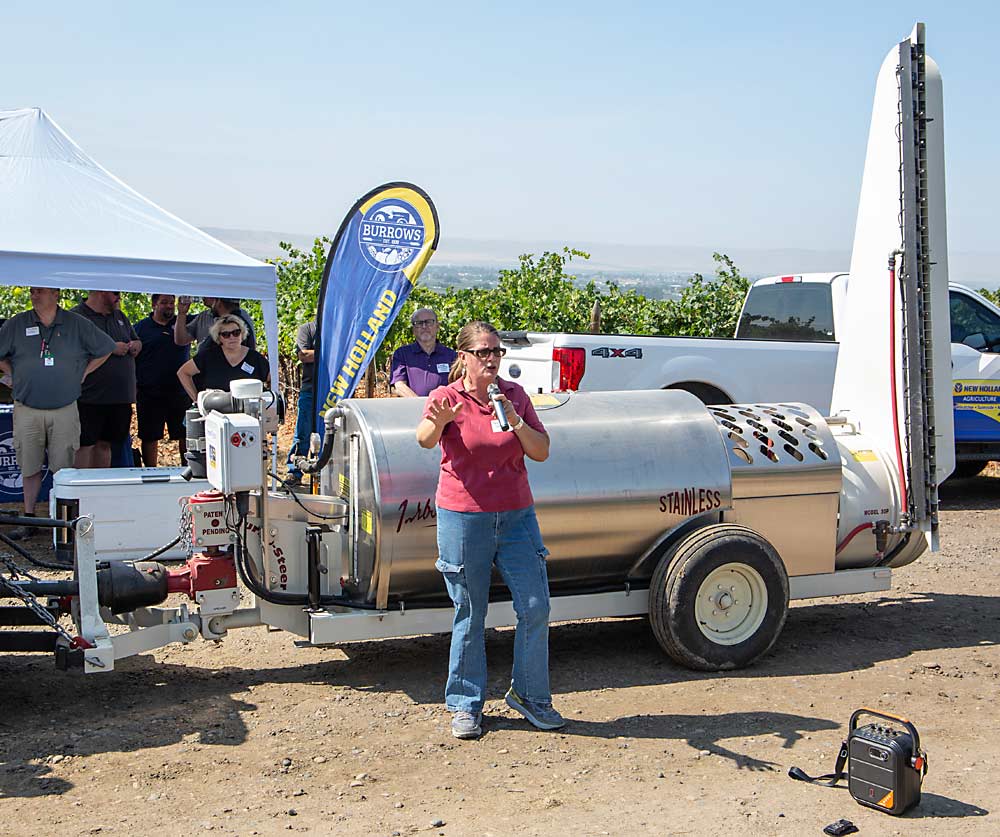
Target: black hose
156, 553
313, 536
310, 466
27, 556
12, 519
291, 491
55, 587
287, 599
887, 559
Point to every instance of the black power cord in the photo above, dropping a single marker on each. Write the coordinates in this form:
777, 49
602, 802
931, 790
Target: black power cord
302, 505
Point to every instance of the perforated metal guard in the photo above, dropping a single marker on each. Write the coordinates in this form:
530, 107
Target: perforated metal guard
775, 435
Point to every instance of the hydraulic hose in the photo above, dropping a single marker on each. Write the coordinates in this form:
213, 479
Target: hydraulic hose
27, 556
887, 559
904, 501
313, 466
156, 553
287, 599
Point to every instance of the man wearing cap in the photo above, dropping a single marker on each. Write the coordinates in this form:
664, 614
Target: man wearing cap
49, 352
108, 395
421, 366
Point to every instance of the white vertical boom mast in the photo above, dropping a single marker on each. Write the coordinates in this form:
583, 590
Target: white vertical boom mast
896, 338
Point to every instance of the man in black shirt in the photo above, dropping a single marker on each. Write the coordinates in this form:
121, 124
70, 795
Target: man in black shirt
109, 392
160, 398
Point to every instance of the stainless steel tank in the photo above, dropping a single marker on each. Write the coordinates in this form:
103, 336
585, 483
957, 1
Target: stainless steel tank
624, 468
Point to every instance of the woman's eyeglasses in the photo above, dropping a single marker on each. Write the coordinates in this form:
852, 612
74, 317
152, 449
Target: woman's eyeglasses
235, 333
482, 354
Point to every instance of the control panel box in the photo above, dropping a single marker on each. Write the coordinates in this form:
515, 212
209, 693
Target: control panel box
233, 452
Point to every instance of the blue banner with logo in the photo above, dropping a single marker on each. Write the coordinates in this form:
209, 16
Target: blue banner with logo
11, 481
380, 250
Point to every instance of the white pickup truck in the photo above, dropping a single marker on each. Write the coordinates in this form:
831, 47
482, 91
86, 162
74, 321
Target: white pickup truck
785, 349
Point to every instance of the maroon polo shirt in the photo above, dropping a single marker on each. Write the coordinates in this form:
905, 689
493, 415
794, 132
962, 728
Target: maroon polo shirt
482, 469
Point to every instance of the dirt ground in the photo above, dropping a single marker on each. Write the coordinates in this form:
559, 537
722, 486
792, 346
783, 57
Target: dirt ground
257, 736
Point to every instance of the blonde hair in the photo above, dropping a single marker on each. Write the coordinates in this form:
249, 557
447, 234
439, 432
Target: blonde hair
463, 343
222, 322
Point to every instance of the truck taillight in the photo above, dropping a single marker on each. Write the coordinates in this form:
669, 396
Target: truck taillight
572, 365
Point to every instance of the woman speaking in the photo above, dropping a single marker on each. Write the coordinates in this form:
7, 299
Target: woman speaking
486, 516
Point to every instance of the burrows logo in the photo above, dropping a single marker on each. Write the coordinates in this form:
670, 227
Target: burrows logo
10, 474
390, 234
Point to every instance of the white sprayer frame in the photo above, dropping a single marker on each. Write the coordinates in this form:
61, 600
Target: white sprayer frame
157, 627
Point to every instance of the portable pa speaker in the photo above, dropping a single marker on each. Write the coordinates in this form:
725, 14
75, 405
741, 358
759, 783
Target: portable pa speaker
885, 765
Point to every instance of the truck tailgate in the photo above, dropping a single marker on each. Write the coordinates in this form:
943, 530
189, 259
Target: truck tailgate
528, 361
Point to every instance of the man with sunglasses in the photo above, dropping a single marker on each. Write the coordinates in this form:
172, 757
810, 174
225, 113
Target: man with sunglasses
421, 366
108, 394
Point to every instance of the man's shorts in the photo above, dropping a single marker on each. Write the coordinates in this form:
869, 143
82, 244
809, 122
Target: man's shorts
104, 423
153, 410
37, 431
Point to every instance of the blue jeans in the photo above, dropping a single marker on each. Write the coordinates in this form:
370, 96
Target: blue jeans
303, 429
469, 543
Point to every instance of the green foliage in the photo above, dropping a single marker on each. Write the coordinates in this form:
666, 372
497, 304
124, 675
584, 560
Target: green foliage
992, 296
15, 300
300, 273
540, 294
710, 309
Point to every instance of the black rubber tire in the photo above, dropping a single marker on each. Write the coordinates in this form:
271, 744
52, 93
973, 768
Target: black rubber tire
967, 470
679, 576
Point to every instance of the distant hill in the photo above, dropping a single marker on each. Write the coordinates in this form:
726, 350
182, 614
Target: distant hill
627, 264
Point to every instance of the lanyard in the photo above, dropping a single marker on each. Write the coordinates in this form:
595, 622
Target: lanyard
47, 339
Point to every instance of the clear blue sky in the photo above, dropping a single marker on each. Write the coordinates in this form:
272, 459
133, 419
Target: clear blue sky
717, 124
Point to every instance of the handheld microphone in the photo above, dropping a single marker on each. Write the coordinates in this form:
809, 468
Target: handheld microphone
493, 391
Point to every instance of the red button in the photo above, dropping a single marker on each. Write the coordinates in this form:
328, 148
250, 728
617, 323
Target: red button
235, 439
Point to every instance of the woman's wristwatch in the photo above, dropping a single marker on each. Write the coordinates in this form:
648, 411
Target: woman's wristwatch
519, 425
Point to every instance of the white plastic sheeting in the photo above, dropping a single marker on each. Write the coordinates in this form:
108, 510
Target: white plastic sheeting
65, 222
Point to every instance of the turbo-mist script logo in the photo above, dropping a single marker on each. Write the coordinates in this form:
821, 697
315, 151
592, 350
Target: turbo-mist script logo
391, 234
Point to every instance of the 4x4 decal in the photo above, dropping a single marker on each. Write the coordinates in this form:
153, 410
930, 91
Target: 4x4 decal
607, 351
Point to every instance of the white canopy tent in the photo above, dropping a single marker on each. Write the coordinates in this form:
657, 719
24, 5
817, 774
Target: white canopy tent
65, 222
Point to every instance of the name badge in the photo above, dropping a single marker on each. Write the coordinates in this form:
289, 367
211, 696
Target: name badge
246, 367
442, 367
495, 424
31, 331
49, 361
